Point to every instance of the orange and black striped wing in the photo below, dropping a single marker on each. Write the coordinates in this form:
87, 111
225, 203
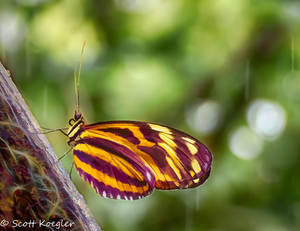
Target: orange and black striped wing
128, 159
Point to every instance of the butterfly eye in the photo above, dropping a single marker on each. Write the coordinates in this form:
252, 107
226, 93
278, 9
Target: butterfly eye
77, 115
71, 122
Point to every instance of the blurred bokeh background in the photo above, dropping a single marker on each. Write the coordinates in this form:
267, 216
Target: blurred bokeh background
225, 71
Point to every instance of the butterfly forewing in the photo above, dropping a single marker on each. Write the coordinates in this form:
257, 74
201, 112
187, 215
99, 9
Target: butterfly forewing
128, 159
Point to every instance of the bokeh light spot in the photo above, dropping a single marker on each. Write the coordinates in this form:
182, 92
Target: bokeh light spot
135, 5
245, 144
11, 30
266, 118
47, 28
204, 117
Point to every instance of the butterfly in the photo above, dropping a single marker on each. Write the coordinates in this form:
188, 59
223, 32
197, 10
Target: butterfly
129, 159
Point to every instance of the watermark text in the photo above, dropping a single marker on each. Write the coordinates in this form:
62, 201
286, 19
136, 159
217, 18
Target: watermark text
31, 224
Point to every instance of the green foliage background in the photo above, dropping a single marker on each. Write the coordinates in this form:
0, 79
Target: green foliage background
154, 60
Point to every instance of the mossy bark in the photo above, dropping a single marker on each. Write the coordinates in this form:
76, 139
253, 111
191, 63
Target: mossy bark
33, 184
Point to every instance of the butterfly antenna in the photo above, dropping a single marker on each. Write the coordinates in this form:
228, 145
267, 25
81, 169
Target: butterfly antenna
77, 76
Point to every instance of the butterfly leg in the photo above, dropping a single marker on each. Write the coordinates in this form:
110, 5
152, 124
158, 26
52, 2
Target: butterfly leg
63, 155
48, 130
70, 174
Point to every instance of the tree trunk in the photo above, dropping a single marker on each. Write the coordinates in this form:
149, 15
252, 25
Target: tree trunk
34, 188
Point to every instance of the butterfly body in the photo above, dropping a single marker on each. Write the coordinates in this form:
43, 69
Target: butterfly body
129, 159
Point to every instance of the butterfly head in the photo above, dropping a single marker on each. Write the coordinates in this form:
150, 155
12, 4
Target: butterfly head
75, 123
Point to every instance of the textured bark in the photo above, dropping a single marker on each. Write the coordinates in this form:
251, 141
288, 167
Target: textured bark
33, 184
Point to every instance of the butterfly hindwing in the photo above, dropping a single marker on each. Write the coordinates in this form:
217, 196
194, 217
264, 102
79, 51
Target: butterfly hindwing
128, 159
110, 169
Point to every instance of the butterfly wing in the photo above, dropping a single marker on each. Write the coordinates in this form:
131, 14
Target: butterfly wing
128, 159
111, 169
